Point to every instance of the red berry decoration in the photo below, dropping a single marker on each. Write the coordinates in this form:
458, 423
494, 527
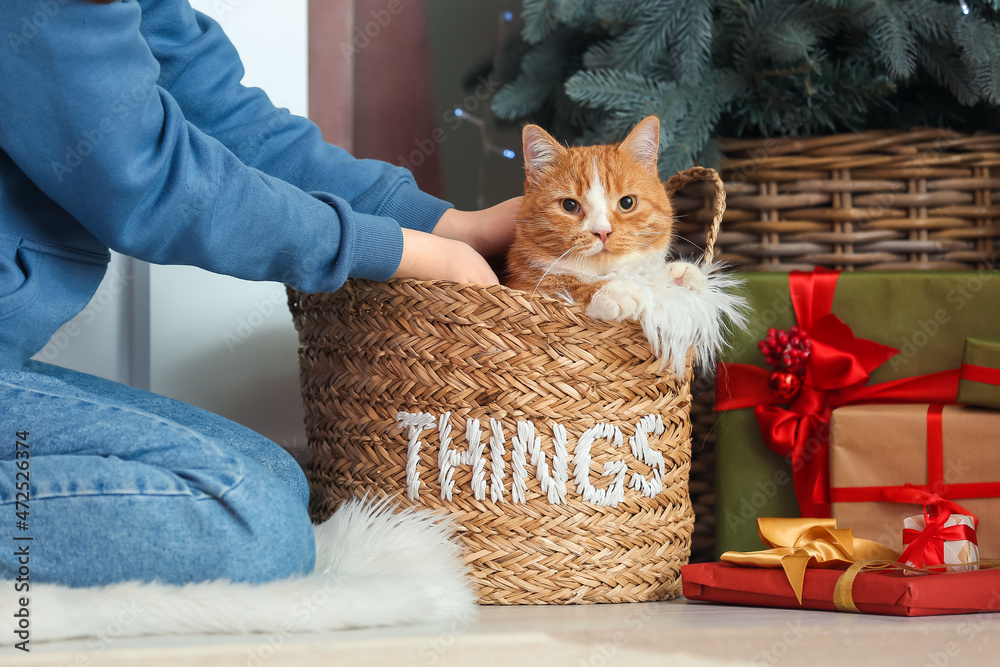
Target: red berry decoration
788, 352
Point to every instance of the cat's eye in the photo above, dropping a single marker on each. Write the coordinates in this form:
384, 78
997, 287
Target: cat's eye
627, 203
570, 205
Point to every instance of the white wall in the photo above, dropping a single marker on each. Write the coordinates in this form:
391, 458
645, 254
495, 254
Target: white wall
100, 339
216, 342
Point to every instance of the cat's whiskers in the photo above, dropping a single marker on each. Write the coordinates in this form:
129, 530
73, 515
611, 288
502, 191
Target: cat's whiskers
552, 266
630, 244
683, 238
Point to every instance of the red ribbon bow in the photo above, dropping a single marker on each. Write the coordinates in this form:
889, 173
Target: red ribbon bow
926, 547
837, 374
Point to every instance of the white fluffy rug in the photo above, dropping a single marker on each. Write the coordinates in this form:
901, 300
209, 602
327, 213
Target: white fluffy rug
375, 565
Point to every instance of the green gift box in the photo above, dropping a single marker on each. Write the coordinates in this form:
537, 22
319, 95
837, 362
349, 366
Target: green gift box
979, 378
926, 315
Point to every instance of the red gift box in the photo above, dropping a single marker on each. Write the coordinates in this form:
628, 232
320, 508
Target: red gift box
873, 592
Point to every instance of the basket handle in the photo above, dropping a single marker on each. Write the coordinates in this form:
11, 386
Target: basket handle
680, 179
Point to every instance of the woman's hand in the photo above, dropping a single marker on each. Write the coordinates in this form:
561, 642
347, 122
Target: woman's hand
489, 231
460, 241
430, 257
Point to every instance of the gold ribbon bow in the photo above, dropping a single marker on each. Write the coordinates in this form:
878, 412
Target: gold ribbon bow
800, 543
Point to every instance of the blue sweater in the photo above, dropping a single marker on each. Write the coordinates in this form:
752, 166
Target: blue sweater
125, 126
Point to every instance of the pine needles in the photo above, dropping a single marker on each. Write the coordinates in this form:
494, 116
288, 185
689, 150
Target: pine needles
753, 68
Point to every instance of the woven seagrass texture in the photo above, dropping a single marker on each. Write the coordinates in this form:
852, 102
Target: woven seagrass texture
478, 353
889, 200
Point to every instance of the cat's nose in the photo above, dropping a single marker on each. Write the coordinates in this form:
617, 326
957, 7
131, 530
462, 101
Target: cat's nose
603, 236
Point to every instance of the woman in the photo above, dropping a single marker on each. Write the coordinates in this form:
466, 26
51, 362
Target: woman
113, 118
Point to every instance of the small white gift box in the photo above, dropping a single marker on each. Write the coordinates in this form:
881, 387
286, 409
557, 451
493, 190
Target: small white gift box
956, 552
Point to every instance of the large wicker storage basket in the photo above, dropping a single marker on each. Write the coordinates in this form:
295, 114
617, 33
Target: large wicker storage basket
556, 442
879, 200
375, 350
889, 200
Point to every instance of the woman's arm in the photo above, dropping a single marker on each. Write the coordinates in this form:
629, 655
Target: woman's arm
203, 72
82, 114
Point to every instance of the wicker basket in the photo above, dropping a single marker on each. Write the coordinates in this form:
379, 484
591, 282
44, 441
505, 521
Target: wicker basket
923, 199
392, 373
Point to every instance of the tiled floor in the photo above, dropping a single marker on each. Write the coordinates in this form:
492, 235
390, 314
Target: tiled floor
665, 633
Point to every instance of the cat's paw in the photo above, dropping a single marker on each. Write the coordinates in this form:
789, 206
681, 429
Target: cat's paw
687, 275
617, 300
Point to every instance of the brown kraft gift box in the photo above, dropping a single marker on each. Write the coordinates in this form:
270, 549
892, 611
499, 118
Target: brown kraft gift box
878, 447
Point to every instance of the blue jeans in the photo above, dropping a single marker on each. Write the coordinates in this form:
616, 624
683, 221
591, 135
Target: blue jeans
128, 485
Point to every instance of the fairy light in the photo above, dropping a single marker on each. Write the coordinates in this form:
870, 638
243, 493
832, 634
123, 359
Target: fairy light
482, 123
965, 7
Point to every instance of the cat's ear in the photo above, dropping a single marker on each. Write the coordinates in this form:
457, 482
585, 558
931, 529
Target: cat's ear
540, 150
643, 142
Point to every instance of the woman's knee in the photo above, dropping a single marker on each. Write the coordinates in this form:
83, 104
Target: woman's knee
274, 539
165, 501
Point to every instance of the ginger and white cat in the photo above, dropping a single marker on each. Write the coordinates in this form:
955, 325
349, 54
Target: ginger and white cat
589, 215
